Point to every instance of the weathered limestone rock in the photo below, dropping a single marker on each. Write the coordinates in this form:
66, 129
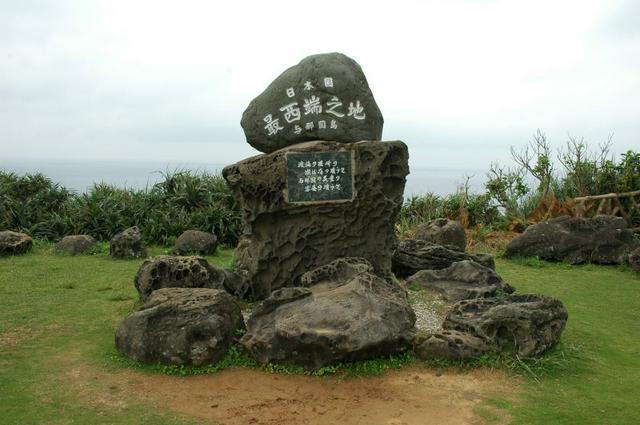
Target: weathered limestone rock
14, 243
324, 97
76, 244
283, 240
166, 271
528, 324
128, 244
602, 240
634, 259
195, 241
346, 314
442, 231
452, 345
463, 280
182, 326
413, 255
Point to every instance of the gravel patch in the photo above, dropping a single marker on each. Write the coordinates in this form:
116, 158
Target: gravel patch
430, 311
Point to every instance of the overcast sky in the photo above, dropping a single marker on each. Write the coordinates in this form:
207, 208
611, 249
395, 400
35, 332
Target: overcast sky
458, 81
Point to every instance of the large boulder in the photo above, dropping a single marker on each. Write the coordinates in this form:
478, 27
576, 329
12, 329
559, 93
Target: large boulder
166, 271
14, 243
443, 232
127, 244
348, 313
413, 255
452, 345
634, 259
463, 280
324, 97
527, 324
182, 326
76, 244
602, 240
195, 242
283, 238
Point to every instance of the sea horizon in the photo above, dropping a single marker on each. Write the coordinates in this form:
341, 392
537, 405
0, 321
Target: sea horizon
81, 175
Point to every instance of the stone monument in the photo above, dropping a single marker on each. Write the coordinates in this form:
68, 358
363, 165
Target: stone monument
326, 187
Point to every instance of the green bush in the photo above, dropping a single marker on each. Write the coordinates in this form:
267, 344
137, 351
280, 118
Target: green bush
182, 200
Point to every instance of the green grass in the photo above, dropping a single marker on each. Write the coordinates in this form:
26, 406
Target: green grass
593, 376
60, 311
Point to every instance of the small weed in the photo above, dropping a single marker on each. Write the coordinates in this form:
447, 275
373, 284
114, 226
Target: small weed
68, 286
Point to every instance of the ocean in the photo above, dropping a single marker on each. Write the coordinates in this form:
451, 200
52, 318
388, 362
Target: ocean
80, 175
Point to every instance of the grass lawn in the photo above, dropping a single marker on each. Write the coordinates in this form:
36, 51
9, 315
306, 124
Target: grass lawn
56, 309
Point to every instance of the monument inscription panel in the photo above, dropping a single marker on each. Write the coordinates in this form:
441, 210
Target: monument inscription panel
319, 176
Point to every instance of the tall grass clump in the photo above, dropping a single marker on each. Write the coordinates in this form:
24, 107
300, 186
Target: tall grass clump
182, 200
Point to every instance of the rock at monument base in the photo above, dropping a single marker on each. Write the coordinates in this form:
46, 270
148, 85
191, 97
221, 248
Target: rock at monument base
167, 271
76, 244
127, 244
413, 255
195, 241
634, 259
527, 324
281, 240
442, 231
324, 97
14, 243
463, 280
452, 345
350, 314
602, 240
181, 326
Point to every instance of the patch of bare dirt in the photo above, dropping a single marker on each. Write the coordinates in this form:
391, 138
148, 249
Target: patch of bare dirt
244, 396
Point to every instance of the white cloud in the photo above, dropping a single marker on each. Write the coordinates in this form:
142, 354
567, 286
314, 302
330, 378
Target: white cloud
458, 81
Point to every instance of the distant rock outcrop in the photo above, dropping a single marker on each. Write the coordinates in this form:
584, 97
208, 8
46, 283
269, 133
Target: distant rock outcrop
602, 240
463, 280
413, 255
14, 243
128, 244
442, 231
76, 244
196, 242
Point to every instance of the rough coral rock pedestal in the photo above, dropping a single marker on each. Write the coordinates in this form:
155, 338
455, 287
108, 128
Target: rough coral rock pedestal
281, 240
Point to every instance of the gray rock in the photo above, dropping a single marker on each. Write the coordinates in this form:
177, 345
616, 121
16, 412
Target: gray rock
443, 232
527, 324
182, 326
351, 315
127, 244
634, 260
463, 280
14, 243
166, 271
328, 91
283, 240
196, 242
602, 240
76, 244
413, 255
452, 345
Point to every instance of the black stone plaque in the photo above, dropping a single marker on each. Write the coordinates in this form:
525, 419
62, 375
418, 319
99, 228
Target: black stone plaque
319, 176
